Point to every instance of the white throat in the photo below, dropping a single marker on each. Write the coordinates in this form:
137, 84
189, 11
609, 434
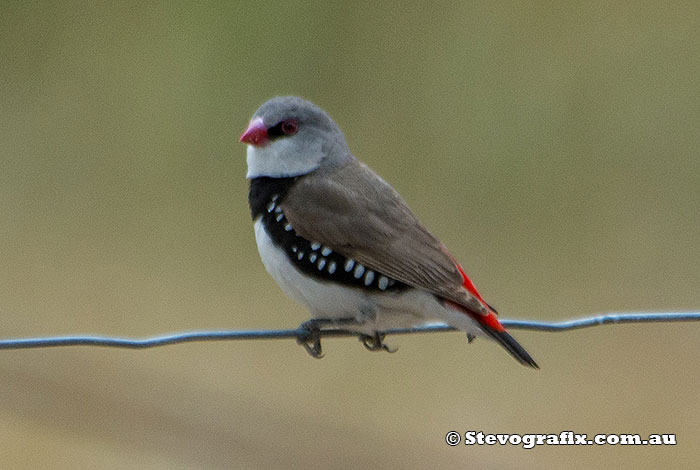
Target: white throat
282, 159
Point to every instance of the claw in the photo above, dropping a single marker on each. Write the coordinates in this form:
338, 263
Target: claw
470, 338
376, 342
313, 347
312, 341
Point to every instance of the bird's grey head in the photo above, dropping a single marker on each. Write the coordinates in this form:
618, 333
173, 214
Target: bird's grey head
289, 136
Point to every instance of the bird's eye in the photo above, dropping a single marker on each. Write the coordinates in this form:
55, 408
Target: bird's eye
290, 126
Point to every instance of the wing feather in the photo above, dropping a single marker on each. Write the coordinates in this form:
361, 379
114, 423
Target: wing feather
353, 211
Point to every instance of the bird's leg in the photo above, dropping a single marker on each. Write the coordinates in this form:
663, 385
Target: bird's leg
470, 338
375, 342
312, 340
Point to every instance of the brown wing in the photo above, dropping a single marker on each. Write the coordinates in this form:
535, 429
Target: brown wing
353, 211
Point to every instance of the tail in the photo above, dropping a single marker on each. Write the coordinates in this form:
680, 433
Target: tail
492, 327
508, 342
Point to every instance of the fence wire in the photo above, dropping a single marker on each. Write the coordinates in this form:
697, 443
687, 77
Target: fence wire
302, 334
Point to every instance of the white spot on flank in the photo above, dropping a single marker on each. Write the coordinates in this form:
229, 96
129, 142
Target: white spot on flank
315, 246
278, 209
313, 257
326, 251
294, 249
331, 267
279, 217
359, 271
369, 277
383, 282
271, 206
288, 227
275, 197
349, 264
300, 255
321, 264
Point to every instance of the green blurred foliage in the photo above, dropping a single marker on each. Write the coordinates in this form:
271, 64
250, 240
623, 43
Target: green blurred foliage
553, 146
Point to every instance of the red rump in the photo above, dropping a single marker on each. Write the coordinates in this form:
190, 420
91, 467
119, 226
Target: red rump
469, 285
489, 320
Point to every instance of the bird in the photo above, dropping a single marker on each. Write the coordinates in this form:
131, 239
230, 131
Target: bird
341, 241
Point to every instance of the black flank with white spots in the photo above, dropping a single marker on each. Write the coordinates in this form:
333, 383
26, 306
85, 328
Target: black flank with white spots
312, 258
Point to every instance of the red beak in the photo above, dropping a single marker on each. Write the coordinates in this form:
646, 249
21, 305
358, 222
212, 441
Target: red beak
256, 134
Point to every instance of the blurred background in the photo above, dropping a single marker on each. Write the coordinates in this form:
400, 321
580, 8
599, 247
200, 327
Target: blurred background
552, 146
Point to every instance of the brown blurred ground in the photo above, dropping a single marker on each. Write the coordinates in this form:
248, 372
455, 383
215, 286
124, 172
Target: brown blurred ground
554, 148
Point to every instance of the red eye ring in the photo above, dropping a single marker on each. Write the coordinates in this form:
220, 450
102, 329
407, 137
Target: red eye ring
290, 126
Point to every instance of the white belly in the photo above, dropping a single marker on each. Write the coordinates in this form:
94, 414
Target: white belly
377, 311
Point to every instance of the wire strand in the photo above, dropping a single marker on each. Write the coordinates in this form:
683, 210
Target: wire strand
301, 333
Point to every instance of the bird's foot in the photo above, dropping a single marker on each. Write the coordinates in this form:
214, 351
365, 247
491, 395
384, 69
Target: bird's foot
312, 340
375, 342
470, 338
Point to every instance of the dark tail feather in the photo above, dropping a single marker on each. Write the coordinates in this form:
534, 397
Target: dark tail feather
512, 346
